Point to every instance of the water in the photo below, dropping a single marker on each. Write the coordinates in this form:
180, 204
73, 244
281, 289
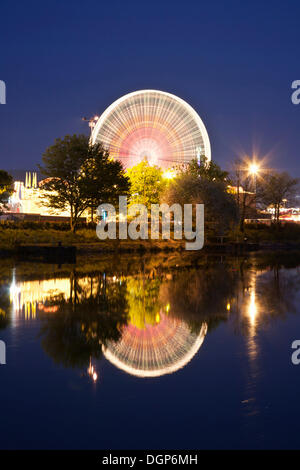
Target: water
161, 352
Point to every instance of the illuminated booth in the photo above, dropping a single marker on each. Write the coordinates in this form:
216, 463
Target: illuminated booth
152, 125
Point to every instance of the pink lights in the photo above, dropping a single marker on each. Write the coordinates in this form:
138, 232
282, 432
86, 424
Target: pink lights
152, 125
145, 144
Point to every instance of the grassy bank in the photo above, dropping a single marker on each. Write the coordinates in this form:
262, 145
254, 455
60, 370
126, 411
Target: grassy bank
288, 231
84, 239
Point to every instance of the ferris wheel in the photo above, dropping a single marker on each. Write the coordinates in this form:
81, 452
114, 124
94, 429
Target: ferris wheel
152, 125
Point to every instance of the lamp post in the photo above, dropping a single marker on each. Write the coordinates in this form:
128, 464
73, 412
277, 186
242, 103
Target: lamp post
254, 170
92, 121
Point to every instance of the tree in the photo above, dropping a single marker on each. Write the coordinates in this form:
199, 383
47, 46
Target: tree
147, 184
207, 170
248, 200
80, 176
6, 188
5, 303
87, 320
104, 179
274, 188
201, 295
219, 206
62, 164
142, 298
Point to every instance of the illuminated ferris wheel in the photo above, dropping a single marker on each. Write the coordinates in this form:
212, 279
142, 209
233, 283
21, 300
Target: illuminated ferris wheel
152, 125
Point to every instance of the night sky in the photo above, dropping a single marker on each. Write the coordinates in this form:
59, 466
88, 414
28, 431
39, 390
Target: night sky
233, 61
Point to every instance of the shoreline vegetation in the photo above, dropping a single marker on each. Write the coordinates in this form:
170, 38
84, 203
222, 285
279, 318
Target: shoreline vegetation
29, 239
149, 264
80, 179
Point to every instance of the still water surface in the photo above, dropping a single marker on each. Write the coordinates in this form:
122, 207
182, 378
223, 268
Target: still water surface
150, 352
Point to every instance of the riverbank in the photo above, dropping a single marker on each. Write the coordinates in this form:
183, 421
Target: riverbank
84, 241
146, 263
56, 244
64, 254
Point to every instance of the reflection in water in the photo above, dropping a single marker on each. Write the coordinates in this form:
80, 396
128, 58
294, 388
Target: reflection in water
92, 371
252, 311
155, 341
189, 331
4, 307
27, 296
149, 323
264, 293
91, 315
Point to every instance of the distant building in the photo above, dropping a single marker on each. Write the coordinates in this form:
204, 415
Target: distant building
27, 199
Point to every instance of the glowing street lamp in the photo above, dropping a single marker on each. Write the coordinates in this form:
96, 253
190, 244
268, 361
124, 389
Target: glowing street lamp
169, 174
253, 169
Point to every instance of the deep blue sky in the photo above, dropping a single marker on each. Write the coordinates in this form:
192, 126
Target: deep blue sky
233, 61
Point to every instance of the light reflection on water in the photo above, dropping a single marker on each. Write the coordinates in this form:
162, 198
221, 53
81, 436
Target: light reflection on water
163, 319
152, 342
150, 320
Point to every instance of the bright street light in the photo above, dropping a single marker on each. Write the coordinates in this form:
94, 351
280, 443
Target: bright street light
169, 174
253, 168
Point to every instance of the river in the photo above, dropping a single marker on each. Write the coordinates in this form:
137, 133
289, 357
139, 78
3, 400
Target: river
155, 352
